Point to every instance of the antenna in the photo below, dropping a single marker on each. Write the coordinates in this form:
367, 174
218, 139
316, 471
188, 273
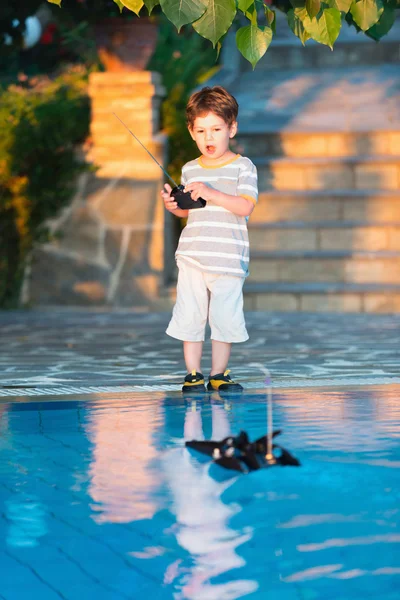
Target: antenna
269, 457
148, 152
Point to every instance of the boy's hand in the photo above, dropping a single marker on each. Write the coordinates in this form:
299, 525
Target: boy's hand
198, 189
169, 202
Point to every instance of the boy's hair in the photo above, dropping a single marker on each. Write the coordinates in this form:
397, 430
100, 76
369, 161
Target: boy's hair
212, 99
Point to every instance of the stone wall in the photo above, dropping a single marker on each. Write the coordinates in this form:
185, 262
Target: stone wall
111, 246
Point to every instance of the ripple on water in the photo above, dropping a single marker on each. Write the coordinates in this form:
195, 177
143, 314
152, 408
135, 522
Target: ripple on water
114, 474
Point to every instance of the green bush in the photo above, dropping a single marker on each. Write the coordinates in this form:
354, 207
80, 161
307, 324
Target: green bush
42, 120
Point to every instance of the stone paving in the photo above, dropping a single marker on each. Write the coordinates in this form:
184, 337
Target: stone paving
308, 100
62, 352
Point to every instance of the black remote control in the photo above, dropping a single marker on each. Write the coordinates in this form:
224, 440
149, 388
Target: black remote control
185, 200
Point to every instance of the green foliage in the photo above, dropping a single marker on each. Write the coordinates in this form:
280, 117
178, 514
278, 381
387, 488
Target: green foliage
184, 61
342, 5
133, 5
385, 23
253, 41
181, 13
295, 20
325, 27
149, 4
313, 7
42, 122
216, 20
320, 20
366, 13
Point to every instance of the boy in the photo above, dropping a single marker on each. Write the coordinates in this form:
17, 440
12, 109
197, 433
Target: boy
213, 250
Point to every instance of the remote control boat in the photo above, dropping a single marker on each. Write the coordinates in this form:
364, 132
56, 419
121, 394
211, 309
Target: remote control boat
239, 454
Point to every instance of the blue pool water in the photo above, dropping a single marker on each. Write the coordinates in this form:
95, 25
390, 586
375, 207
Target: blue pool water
100, 500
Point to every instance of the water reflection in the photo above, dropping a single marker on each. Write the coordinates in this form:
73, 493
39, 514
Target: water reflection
202, 518
168, 520
141, 475
26, 517
344, 420
122, 481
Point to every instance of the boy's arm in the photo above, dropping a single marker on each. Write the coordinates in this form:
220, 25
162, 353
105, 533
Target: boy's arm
180, 212
247, 192
239, 205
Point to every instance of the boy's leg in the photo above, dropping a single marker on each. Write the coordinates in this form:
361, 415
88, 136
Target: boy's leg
221, 427
226, 314
192, 352
189, 318
189, 315
221, 352
193, 426
227, 326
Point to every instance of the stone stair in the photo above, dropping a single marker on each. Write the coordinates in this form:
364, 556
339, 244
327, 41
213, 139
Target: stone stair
325, 235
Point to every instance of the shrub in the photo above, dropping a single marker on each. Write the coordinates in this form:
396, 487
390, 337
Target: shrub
42, 120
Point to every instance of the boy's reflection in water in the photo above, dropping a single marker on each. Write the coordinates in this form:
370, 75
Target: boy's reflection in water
193, 427
201, 516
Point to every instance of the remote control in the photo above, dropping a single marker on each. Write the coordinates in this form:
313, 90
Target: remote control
185, 200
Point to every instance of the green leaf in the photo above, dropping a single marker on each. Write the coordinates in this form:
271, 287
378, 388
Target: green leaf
298, 3
313, 7
296, 24
182, 12
253, 42
366, 12
133, 5
58, 2
385, 23
150, 4
251, 14
342, 5
244, 5
216, 20
324, 30
119, 4
271, 18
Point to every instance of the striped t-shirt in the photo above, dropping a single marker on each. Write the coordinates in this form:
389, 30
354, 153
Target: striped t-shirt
215, 239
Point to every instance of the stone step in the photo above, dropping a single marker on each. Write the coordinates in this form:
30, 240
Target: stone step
322, 297
324, 235
258, 142
329, 172
316, 205
309, 101
348, 53
325, 266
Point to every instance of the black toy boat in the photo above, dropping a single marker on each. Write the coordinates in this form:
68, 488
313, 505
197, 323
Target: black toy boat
239, 454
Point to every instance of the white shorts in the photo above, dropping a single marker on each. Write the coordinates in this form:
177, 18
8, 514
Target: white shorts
201, 294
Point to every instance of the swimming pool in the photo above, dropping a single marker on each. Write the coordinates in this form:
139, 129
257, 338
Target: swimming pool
100, 499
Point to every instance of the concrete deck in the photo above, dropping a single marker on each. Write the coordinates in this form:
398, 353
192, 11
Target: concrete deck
77, 352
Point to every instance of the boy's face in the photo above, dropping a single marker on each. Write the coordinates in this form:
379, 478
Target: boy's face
212, 135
